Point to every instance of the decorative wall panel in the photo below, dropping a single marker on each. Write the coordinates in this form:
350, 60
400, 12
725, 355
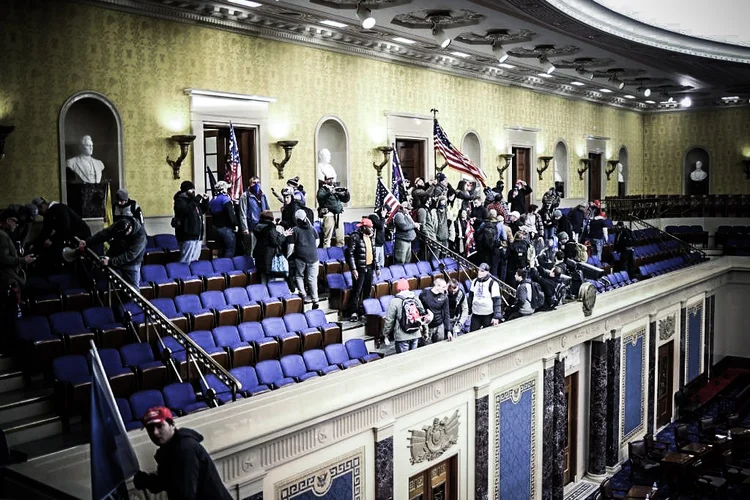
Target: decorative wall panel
694, 342
632, 404
339, 479
515, 434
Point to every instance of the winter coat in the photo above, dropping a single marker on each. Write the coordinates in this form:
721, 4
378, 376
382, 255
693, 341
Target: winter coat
563, 224
379, 227
303, 238
251, 205
269, 243
404, 227
428, 224
356, 252
458, 307
185, 470
392, 326
64, 223
10, 263
125, 251
288, 211
438, 304
129, 209
332, 200
576, 217
441, 225
188, 216
523, 298
222, 211
517, 202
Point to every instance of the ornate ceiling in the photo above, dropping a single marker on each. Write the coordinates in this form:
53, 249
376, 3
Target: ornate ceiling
590, 64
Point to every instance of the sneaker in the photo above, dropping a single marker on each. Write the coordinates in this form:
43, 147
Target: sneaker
308, 300
315, 305
354, 318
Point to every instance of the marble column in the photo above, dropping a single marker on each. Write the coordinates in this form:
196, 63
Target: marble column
482, 445
683, 343
548, 428
597, 463
384, 463
560, 436
613, 400
652, 339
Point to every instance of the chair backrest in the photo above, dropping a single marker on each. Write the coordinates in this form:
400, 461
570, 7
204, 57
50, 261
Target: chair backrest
178, 394
336, 281
637, 449
385, 301
372, 306
110, 359
273, 326
178, 270
226, 336
278, 289
295, 322
166, 241
411, 269
154, 272
96, 317
293, 365
397, 271
269, 371
166, 306
336, 353
257, 292
223, 265
141, 401
336, 253
315, 318
201, 268
136, 354
246, 376
356, 348
70, 367
203, 338
67, 322
213, 298
424, 267
243, 262
315, 359
124, 407
348, 279
385, 275
64, 281
237, 296
188, 303
250, 331
323, 254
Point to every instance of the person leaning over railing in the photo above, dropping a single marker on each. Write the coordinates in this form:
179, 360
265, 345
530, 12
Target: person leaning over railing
127, 240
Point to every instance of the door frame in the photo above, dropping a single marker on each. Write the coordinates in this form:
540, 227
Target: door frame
413, 127
675, 360
424, 158
524, 137
598, 145
573, 426
670, 395
590, 173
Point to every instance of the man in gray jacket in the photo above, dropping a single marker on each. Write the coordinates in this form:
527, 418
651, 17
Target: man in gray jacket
405, 234
405, 331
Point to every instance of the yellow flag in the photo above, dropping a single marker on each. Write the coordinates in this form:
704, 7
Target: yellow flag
108, 212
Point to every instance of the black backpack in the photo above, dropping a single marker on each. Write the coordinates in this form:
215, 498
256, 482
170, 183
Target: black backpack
410, 318
537, 296
558, 295
520, 251
488, 235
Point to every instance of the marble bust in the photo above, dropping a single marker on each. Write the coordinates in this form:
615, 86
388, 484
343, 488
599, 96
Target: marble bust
325, 169
87, 169
698, 175
620, 176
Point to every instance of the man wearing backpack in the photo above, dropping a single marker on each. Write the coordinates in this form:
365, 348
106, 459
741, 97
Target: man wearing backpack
404, 318
485, 300
524, 295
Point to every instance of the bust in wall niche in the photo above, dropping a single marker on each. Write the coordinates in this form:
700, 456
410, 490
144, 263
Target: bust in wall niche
325, 169
698, 174
84, 168
620, 176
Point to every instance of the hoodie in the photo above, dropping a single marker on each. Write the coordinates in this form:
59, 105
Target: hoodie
222, 210
188, 216
392, 326
304, 240
125, 251
185, 470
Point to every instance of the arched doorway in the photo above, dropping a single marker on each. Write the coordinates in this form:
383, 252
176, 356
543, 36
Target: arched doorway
561, 168
472, 147
332, 135
696, 171
622, 172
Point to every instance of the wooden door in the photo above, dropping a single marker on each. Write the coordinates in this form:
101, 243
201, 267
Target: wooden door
411, 154
571, 450
439, 482
216, 147
595, 177
522, 168
664, 383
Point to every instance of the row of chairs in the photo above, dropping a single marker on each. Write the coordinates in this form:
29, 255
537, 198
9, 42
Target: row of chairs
612, 281
694, 234
669, 265
164, 248
174, 278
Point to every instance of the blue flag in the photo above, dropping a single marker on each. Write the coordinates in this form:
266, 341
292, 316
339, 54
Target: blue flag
112, 457
397, 175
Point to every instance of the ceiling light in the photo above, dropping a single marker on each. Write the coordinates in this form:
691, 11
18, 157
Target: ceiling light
731, 98
442, 39
365, 16
614, 81
628, 96
460, 54
403, 40
643, 90
605, 91
578, 84
686, 102
588, 75
549, 68
245, 3
335, 24
499, 52
650, 102
506, 66
545, 75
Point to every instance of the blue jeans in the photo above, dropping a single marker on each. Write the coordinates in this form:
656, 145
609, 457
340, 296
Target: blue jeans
225, 236
190, 251
549, 233
597, 245
131, 275
380, 256
406, 345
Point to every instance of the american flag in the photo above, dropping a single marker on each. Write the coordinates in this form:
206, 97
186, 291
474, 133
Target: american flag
233, 174
469, 237
397, 176
455, 158
383, 197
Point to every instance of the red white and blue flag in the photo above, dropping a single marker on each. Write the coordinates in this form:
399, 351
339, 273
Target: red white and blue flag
233, 173
455, 158
469, 246
384, 198
397, 175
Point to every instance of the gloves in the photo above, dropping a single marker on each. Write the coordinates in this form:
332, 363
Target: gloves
140, 480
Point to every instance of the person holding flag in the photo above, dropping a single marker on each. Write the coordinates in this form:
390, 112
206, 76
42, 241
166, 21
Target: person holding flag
233, 173
397, 178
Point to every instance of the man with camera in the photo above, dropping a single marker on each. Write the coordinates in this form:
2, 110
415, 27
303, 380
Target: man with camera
331, 201
187, 222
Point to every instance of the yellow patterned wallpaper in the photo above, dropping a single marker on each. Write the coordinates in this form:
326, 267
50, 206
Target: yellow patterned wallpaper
52, 50
724, 133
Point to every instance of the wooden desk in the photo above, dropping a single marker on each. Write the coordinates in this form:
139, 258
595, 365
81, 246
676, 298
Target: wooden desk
676, 458
640, 491
696, 449
739, 431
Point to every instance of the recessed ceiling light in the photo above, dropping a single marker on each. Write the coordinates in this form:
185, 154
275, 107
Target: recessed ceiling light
403, 40
628, 96
578, 84
650, 102
686, 102
365, 17
506, 66
545, 75
606, 91
334, 24
460, 54
245, 3
731, 98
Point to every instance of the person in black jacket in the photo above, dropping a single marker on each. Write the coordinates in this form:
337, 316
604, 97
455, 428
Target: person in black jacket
127, 239
61, 228
188, 221
379, 219
435, 300
303, 251
224, 219
269, 243
517, 197
362, 262
184, 469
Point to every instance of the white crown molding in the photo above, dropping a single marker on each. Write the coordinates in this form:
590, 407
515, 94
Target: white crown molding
228, 95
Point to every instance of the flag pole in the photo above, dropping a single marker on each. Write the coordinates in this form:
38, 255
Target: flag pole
434, 112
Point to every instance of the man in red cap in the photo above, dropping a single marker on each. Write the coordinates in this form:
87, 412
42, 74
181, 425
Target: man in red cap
184, 470
360, 256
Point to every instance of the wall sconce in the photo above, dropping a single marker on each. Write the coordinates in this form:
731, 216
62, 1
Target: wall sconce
440, 168
612, 167
184, 141
546, 160
746, 163
386, 150
586, 164
508, 157
287, 146
5, 131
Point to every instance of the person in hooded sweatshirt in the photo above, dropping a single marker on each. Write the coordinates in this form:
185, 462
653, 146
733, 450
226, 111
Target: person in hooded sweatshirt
224, 219
184, 469
405, 341
303, 249
269, 243
127, 246
188, 221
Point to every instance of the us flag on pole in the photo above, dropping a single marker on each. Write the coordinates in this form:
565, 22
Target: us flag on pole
455, 158
469, 238
397, 176
383, 197
233, 174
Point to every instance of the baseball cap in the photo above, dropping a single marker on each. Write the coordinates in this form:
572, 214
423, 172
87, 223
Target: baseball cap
157, 415
9, 213
402, 285
484, 267
515, 214
365, 222
440, 177
300, 214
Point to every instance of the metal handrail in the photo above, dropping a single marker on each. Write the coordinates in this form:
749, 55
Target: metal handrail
190, 346
662, 233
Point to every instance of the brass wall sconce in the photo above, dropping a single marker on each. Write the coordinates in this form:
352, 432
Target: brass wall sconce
546, 160
746, 163
386, 150
508, 158
440, 168
5, 131
612, 167
586, 164
287, 146
184, 141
